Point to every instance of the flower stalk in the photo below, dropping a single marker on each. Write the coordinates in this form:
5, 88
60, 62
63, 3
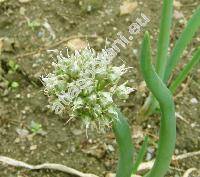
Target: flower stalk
124, 140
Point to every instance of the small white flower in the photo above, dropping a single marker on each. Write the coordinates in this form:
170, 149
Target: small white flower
64, 98
97, 109
123, 91
57, 107
117, 72
75, 68
92, 97
106, 98
78, 103
112, 111
51, 81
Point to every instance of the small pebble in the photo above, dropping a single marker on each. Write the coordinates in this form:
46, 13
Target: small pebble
33, 147
150, 153
77, 132
110, 148
194, 101
193, 125
59, 146
135, 51
128, 7
22, 10
73, 149
176, 151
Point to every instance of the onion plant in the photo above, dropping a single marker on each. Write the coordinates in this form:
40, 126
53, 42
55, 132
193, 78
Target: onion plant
165, 63
86, 86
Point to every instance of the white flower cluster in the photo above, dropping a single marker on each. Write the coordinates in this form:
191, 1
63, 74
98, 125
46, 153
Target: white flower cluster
84, 85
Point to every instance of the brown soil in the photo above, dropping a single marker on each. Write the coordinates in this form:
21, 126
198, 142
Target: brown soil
67, 144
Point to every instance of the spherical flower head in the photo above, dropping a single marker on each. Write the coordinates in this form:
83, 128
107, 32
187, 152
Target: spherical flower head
85, 85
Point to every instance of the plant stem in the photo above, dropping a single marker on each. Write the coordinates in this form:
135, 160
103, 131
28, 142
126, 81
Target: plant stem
126, 148
184, 39
183, 74
167, 136
164, 37
140, 155
162, 52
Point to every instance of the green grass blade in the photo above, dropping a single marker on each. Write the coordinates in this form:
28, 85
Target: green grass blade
184, 39
126, 148
164, 37
141, 155
167, 135
183, 74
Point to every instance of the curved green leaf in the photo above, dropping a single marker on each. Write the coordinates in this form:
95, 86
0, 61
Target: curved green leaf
167, 135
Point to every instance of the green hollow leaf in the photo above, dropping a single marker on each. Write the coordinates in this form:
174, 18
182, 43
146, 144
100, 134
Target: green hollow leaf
164, 37
141, 155
183, 74
167, 135
162, 51
184, 39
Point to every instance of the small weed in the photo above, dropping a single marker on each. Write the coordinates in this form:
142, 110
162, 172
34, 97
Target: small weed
33, 24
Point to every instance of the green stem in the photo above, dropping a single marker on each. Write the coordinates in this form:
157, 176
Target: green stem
167, 136
162, 52
184, 39
183, 74
164, 37
140, 156
126, 148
